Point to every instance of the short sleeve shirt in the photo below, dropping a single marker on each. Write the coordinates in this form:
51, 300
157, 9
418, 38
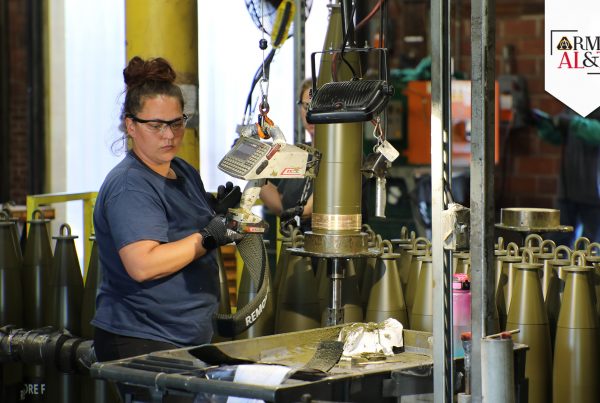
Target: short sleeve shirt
134, 204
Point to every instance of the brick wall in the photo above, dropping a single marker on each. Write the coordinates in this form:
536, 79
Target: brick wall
527, 175
18, 116
531, 166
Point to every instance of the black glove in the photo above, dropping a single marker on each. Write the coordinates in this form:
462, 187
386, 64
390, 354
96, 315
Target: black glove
228, 196
562, 122
288, 216
216, 234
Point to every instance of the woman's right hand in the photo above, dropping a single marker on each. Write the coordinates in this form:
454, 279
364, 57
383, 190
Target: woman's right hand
216, 234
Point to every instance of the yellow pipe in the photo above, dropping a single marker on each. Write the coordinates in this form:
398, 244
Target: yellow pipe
169, 29
88, 199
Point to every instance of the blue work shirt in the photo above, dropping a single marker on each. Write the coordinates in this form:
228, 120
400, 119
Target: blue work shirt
135, 203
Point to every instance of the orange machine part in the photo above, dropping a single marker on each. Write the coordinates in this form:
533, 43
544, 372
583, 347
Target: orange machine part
418, 151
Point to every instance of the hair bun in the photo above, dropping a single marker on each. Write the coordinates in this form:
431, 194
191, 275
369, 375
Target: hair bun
139, 72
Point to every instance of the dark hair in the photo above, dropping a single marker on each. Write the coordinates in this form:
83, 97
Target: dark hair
145, 79
305, 85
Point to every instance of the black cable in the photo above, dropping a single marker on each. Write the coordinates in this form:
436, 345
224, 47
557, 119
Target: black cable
346, 31
382, 59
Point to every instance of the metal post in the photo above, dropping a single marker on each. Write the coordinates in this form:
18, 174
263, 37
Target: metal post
158, 28
4, 95
336, 270
441, 161
482, 178
299, 69
36, 145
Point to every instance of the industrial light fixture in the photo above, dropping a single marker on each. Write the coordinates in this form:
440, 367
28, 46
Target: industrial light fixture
355, 100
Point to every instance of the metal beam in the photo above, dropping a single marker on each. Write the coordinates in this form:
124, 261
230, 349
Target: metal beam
170, 30
36, 136
4, 94
441, 161
299, 66
482, 179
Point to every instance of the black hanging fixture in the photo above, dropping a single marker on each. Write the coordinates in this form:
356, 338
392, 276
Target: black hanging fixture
355, 100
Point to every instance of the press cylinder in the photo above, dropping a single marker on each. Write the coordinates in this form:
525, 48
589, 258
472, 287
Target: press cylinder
419, 249
386, 299
527, 313
576, 353
337, 187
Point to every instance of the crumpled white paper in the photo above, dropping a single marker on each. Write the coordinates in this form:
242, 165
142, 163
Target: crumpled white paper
359, 338
258, 374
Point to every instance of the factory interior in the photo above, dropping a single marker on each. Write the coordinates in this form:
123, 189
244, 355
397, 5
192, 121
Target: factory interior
391, 206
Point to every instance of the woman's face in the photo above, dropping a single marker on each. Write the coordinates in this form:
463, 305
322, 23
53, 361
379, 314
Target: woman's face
157, 143
309, 127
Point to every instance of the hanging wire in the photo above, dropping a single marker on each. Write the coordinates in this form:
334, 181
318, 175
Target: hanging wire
346, 31
264, 81
262, 22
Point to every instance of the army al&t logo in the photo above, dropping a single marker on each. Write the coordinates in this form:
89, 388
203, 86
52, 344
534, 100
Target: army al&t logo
572, 53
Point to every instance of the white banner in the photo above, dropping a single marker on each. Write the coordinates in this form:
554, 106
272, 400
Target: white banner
572, 53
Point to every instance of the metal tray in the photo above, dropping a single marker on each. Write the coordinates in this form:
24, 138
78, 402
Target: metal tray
184, 371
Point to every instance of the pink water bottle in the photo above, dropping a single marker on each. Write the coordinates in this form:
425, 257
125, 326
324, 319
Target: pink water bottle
461, 313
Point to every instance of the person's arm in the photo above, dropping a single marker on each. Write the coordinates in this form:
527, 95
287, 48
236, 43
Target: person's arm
308, 208
547, 126
586, 129
151, 260
271, 198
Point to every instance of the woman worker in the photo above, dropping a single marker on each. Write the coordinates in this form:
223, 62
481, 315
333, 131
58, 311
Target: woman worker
156, 229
